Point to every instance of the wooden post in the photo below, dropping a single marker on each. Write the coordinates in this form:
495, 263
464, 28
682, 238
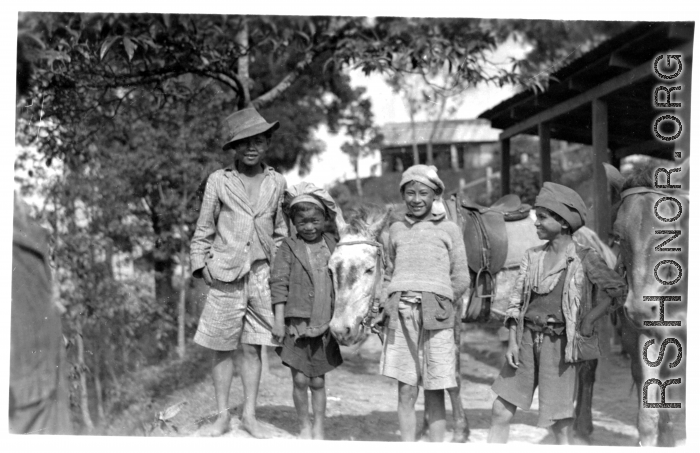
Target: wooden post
505, 166
545, 153
489, 184
454, 157
601, 197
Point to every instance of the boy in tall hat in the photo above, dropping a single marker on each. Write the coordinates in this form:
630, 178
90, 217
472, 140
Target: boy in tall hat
550, 317
240, 225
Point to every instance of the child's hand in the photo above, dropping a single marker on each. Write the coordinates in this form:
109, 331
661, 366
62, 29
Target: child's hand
512, 355
379, 320
586, 328
206, 276
278, 331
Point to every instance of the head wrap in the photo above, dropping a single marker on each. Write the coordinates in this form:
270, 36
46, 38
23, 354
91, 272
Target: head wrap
426, 174
563, 201
309, 193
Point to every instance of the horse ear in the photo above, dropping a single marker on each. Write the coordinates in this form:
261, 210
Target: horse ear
340, 225
614, 176
376, 228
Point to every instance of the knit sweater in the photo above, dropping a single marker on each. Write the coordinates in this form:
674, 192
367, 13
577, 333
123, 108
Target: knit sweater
427, 256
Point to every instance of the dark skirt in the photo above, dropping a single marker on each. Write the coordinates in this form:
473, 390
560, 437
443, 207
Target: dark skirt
311, 356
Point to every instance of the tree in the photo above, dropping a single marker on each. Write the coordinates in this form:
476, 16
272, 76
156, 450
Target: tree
358, 122
128, 89
435, 91
136, 101
553, 43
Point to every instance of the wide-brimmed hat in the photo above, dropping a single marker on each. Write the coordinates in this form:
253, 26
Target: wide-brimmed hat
246, 123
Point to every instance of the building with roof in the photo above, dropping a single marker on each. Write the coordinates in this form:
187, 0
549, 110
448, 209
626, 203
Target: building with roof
609, 98
457, 144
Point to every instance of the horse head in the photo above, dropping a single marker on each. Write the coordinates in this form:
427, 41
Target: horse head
357, 268
638, 233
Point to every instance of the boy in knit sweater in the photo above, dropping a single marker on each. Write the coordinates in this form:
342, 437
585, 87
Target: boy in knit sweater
426, 272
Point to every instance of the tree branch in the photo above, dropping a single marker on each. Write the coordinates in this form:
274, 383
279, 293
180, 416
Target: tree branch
269, 97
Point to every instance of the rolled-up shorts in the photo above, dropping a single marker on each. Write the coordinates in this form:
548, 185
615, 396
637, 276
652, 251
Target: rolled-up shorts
238, 312
416, 356
540, 365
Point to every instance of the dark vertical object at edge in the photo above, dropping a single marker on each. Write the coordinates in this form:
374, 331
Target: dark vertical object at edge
601, 198
505, 166
545, 152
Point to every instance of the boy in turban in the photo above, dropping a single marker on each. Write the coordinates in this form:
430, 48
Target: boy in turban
551, 310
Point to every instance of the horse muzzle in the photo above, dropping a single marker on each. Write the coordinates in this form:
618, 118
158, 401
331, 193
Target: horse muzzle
347, 333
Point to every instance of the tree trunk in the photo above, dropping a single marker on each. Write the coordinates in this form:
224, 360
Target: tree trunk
243, 65
98, 390
84, 401
110, 370
181, 312
433, 132
166, 297
358, 182
414, 143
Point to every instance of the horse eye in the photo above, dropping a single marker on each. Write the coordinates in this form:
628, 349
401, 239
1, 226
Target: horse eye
369, 271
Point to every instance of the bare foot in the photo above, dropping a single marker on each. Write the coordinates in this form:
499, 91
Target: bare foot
254, 428
305, 432
461, 431
221, 425
318, 432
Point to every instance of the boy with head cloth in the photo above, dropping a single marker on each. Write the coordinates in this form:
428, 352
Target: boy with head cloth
302, 294
551, 309
239, 225
426, 273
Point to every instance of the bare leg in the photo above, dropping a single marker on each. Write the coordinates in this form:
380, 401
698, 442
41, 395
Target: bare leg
408, 394
501, 415
583, 423
425, 427
300, 395
250, 375
666, 429
318, 403
222, 367
562, 430
435, 406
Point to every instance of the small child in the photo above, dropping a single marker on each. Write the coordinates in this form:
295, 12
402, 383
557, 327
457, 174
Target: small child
426, 273
552, 309
302, 294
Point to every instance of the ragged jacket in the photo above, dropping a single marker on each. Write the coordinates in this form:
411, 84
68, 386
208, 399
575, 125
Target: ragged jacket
586, 274
291, 279
229, 228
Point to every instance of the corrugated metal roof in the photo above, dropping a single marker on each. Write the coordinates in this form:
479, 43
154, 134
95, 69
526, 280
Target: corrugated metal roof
448, 131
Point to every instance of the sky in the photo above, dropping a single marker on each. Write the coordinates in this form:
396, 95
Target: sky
388, 107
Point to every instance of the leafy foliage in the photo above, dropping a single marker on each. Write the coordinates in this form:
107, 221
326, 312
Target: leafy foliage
131, 106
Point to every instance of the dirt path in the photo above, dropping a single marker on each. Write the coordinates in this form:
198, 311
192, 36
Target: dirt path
362, 404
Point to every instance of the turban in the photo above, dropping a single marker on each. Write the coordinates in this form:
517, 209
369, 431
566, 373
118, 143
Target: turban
426, 174
309, 193
563, 201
